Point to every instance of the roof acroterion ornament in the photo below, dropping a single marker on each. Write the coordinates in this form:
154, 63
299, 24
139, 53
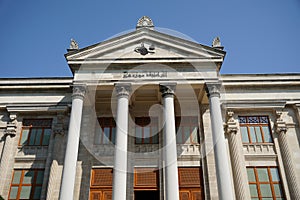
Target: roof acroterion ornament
145, 22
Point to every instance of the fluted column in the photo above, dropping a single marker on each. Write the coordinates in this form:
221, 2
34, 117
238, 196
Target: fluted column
169, 139
287, 158
120, 158
225, 186
69, 170
237, 159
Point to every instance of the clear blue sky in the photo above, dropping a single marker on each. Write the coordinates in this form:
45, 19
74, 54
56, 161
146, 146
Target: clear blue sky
260, 36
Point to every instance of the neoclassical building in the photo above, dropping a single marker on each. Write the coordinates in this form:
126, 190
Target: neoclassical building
147, 115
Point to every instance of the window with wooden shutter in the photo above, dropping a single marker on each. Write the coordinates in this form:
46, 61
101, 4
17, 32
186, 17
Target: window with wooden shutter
146, 178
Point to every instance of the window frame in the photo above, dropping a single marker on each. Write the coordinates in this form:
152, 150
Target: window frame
270, 182
152, 133
248, 124
181, 123
33, 124
20, 184
112, 130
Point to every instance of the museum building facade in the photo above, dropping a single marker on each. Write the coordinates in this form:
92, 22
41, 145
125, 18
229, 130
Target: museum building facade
147, 115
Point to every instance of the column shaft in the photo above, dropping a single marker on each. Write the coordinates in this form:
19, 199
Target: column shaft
170, 153
69, 171
120, 158
237, 159
289, 167
225, 186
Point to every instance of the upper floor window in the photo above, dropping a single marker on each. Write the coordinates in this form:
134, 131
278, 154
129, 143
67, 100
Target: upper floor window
36, 132
146, 130
107, 132
264, 183
187, 131
255, 129
26, 184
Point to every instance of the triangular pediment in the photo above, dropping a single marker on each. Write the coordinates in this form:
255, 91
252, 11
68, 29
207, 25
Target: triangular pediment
145, 45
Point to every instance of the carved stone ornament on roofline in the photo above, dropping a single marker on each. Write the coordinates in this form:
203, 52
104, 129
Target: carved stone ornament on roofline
73, 45
167, 89
280, 124
145, 22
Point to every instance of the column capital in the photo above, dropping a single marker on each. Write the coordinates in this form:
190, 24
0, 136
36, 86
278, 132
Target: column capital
213, 89
280, 124
231, 124
167, 89
79, 91
123, 89
11, 125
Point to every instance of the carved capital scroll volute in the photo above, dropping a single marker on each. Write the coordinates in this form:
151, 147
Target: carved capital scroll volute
280, 125
167, 89
79, 91
123, 89
11, 127
231, 126
213, 89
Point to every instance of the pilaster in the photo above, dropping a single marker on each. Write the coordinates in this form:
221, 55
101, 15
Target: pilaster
289, 167
7, 157
237, 158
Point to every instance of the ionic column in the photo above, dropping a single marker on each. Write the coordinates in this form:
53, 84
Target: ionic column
225, 186
120, 158
237, 159
287, 158
169, 139
69, 171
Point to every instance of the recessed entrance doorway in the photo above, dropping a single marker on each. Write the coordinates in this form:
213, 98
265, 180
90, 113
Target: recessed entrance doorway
146, 195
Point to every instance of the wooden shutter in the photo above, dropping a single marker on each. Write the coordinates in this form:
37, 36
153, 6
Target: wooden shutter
189, 177
184, 195
102, 177
196, 195
95, 195
146, 177
107, 195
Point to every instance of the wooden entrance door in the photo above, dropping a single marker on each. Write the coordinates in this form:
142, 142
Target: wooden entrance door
190, 183
101, 184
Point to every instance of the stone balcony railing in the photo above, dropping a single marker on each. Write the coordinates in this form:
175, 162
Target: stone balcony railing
259, 150
188, 150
